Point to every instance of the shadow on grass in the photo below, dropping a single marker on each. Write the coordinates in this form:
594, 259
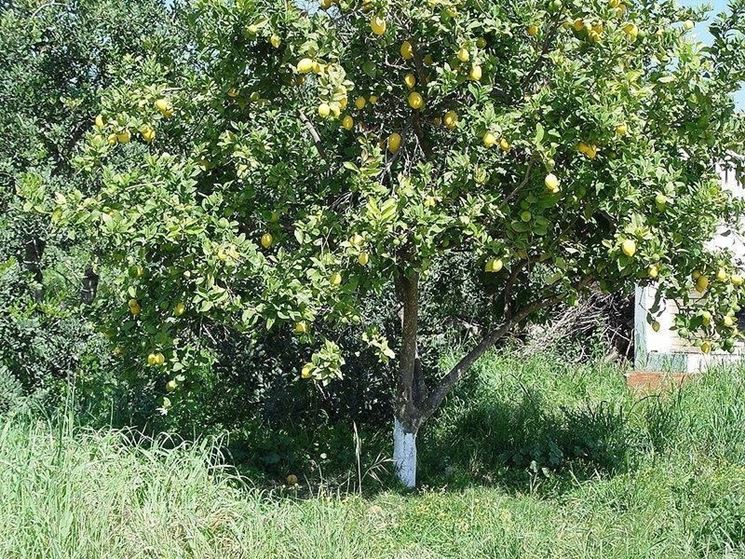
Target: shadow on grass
526, 442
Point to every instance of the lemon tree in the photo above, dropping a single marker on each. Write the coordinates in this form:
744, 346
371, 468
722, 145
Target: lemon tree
296, 160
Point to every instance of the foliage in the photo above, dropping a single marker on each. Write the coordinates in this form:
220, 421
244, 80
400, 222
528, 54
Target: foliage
291, 164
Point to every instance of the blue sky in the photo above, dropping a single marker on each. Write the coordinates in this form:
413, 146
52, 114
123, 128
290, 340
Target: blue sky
703, 33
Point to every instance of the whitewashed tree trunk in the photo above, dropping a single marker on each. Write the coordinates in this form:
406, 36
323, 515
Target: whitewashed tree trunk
404, 455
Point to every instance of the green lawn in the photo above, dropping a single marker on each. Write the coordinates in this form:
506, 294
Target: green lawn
549, 461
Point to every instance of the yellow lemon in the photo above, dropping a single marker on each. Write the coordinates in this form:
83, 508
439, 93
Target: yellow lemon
147, 132
305, 66
722, 275
134, 307
705, 347
360, 102
179, 309
702, 283
99, 121
275, 41
493, 265
504, 145
394, 142
407, 50
267, 240
112, 140
631, 30
655, 326
579, 24
307, 371
152, 359
124, 136
729, 321
324, 110
335, 279
737, 279
463, 54
621, 130
410, 81
363, 259
301, 327
628, 247
533, 30
489, 139
653, 271
163, 106
347, 122
372, 99
450, 119
475, 73
171, 385
378, 24
415, 100
552, 183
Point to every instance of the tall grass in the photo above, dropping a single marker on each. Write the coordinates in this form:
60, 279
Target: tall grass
533, 459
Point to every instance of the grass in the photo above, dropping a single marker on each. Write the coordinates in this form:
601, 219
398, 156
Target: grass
533, 458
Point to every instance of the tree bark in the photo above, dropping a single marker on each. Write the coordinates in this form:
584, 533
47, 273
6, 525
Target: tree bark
33, 251
89, 286
408, 385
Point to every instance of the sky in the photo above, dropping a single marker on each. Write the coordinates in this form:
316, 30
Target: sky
703, 33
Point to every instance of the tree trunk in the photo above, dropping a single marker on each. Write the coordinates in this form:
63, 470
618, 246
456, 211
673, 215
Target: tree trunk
409, 384
404, 454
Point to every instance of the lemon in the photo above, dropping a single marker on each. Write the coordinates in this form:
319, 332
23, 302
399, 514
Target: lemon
305, 66
533, 30
702, 284
728, 321
378, 24
164, 107
99, 121
552, 183
363, 259
463, 54
324, 110
394, 142
111, 139
450, 119
301, 327
347, 123
481, 42
152, 359
655, 326
372, 99
705, 347
410, 81
653, 271
504, 145
688, 25
171, 385
737, 279
628, 247
360, 102
489, 140
722, 275
335, 279
307, 371
292, 479
275, 41
407, 50
179, 309
415, 100
147, 132
579, 24
134, 307
493, 265
621, 129
706, 318
267, 240
631, 30
159, 359
475, 73
124, 136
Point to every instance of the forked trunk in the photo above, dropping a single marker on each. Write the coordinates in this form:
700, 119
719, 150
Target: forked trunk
404, 454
